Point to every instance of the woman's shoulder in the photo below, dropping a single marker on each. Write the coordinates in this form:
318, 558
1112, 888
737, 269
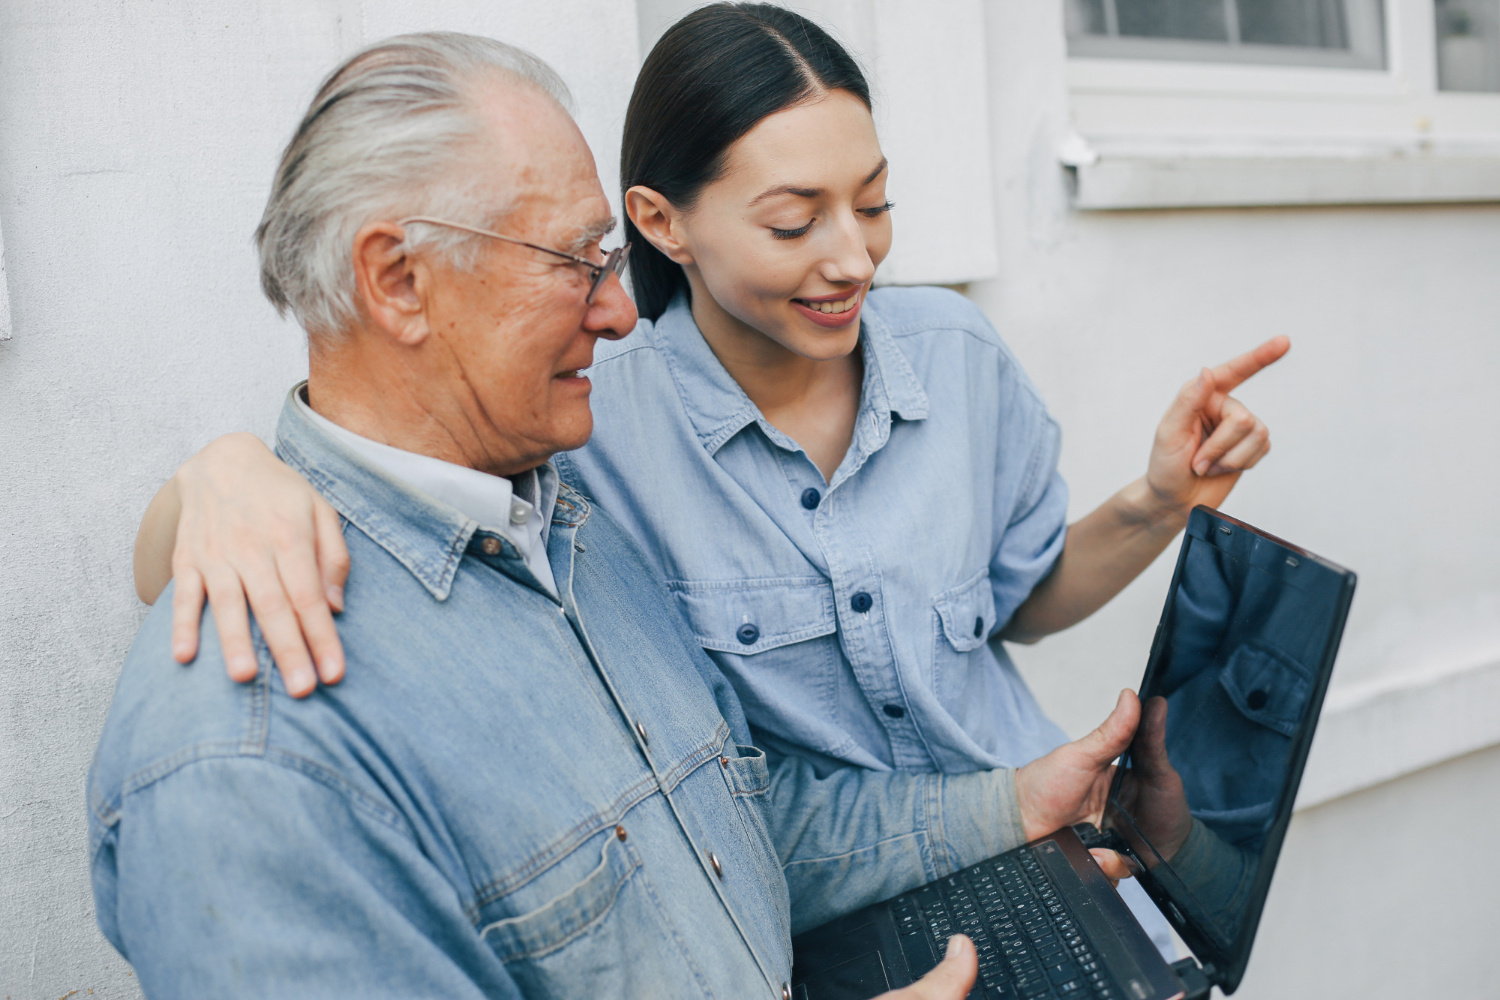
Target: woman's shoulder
641, 339
928, 322
922, 309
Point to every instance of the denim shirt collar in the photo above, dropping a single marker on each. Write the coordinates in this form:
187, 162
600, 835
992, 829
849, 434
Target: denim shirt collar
719, 408
426, 536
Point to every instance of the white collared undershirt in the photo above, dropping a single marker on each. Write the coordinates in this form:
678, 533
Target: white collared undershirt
508, 506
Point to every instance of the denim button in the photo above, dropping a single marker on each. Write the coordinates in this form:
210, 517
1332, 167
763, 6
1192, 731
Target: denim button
747, 634
861, 602
490, 545
810, 498
894, 711
1257, 700
978, 627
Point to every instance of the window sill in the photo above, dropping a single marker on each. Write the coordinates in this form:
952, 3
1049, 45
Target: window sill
1160, 175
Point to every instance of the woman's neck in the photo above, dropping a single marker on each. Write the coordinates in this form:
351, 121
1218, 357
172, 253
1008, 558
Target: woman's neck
814, 402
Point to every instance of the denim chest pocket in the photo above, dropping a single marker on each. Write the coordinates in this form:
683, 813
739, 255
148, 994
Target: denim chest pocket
561, 920
604, 935
752, 616
1267, 687
966, 613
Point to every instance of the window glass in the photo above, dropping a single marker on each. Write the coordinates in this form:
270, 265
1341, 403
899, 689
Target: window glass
1468, 34
1345, 33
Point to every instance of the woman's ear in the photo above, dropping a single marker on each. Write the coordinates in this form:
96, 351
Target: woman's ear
659, 221
390, 282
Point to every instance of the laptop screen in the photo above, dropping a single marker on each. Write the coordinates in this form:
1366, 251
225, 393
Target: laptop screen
1230, 697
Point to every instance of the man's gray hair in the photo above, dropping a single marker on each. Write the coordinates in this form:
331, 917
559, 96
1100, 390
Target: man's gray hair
381, 140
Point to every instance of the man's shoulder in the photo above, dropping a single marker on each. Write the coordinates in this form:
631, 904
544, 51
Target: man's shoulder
167, 715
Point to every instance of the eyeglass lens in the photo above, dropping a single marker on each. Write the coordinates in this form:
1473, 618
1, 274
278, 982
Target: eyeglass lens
613, 264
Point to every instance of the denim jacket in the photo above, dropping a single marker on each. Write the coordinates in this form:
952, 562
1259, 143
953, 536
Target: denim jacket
856, 617
510, 794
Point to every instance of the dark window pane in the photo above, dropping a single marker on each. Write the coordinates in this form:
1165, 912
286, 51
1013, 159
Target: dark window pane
1314, 24
1199, 20
1086, 17
1468, 45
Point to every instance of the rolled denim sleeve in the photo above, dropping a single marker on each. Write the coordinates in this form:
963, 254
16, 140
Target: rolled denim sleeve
1035, 526
854, 836
238, 876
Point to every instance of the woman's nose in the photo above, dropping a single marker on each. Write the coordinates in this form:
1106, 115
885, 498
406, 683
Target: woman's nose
848, 258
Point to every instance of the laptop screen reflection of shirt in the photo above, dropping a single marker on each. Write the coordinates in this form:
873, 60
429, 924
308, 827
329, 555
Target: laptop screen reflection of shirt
1229, 691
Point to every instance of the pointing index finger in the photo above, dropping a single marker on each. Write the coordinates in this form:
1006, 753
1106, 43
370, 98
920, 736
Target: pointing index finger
1232, 373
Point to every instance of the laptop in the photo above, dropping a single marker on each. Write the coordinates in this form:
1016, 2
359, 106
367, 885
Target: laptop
1198, 807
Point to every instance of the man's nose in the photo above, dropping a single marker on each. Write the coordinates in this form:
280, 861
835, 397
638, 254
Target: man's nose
611, 315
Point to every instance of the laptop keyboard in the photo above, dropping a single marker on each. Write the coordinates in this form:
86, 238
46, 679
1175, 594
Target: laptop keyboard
1029, 945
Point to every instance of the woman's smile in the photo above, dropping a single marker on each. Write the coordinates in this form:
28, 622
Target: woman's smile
832, 312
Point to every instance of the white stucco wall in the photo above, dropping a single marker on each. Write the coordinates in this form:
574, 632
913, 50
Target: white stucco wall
136, 145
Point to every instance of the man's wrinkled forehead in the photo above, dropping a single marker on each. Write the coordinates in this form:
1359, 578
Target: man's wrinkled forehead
533, 151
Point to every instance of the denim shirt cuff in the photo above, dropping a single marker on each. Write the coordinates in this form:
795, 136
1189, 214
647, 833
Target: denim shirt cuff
980, 815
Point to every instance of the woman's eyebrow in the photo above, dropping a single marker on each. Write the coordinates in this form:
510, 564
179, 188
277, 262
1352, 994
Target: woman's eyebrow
806, 192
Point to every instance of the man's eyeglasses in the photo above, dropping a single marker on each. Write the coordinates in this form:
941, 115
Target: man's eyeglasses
614, 263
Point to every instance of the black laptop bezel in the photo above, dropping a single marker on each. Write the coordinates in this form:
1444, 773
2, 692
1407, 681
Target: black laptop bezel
1226, 966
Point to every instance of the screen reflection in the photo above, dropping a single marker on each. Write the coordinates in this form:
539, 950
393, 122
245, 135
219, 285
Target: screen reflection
1231, 685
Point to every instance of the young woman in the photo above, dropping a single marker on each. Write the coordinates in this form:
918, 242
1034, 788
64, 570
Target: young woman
852, 493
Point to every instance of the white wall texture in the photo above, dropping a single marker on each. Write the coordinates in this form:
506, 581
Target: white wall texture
136, 146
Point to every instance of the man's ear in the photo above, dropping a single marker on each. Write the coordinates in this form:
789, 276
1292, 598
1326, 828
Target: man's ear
391, 283
659, 221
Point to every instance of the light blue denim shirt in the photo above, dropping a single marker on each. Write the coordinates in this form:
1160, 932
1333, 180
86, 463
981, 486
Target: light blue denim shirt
856, 618
511, 794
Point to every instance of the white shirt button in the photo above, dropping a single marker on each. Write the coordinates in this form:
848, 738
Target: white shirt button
520, 510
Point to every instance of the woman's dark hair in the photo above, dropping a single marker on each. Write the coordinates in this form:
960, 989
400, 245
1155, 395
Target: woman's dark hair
709, 80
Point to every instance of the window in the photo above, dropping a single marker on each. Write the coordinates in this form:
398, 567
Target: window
1344, 33
1196, 103
1468, 44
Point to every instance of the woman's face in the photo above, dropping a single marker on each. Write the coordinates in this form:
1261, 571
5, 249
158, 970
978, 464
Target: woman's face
787, 240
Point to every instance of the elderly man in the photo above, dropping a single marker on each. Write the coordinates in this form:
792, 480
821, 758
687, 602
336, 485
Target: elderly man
532, 782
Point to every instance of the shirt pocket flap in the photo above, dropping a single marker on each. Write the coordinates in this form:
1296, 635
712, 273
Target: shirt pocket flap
746, 769
752, 617
967, 612
1267, 686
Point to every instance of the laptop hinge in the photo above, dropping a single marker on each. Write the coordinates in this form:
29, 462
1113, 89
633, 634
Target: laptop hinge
1195, 980
1089, 834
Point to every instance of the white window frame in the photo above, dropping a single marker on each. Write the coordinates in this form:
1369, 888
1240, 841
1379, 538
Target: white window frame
1167, 134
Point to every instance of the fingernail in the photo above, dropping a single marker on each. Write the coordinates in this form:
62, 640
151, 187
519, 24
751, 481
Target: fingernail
331, 671
244, 665
1201, 468
336, 597
956, 946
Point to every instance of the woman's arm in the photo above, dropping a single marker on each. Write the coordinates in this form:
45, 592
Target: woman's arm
1204, 443
235, 524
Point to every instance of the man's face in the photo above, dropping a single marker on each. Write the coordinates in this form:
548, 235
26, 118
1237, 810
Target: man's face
513, 332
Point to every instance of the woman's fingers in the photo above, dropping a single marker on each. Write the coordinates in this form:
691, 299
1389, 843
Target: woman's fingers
1250, 450
227, 599
333, 554
1235, 425
304, 581
187, 609
279, 626
1231, 373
